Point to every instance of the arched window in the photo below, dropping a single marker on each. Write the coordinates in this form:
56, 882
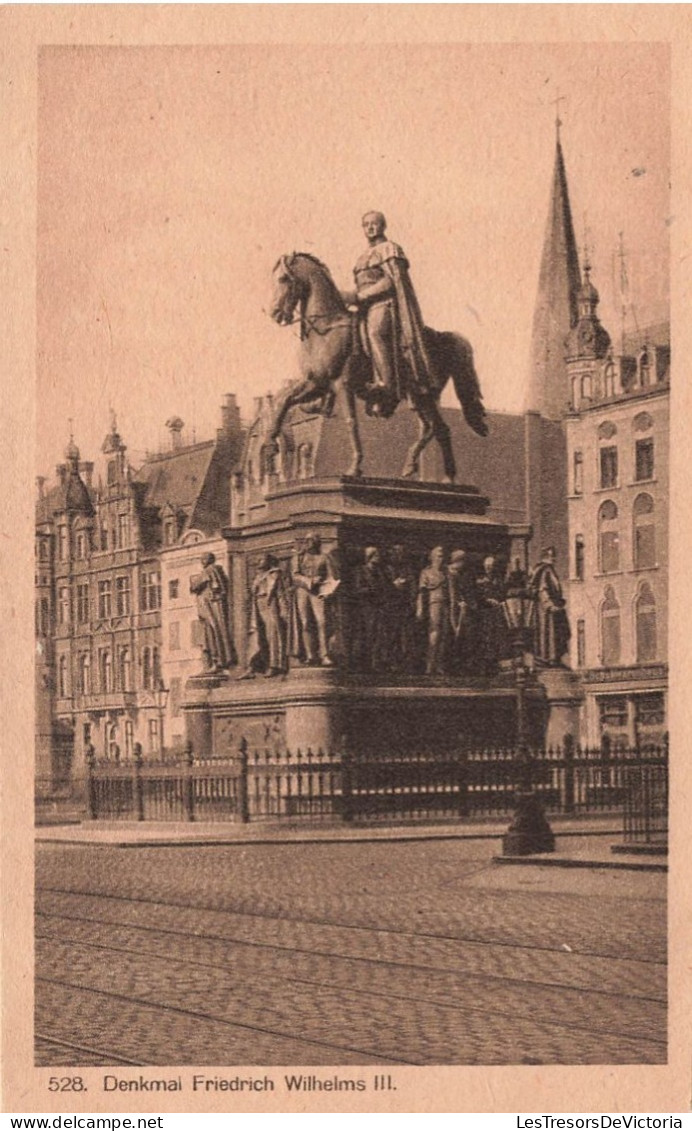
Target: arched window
305, 469
644, 539
146, 669
63, 689
608, 454
610, 628
156, 667
645, 618
129, 738
106, 671
125, 670
608, 537
85, 673
113, 749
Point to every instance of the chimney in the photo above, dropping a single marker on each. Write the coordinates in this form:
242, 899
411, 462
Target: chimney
175, 427
230, 415
40, 485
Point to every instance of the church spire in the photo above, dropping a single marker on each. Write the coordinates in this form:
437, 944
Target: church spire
556, 308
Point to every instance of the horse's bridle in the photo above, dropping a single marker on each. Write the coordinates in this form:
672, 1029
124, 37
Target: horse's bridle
308, 323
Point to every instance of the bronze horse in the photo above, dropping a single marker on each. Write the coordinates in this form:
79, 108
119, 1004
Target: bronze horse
333, 359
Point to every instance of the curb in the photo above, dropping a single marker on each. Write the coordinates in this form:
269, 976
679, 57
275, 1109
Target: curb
571, 862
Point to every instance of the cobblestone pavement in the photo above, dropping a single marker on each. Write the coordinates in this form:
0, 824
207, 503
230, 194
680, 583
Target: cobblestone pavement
415, 953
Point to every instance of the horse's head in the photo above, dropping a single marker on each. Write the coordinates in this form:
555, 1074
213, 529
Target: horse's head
287, 290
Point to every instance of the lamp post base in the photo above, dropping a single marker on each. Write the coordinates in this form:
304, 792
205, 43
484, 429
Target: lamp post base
529, 831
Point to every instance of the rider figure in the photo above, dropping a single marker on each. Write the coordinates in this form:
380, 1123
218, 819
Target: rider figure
391, 322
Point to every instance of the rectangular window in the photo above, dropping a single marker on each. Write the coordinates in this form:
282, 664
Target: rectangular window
613, 711
579, 558
174, 635
83, 604
609, 467
86, 734
63, 606
104, 535
123, 530
581, 644
129, 738
175, 698
197, 634
649, 710
104, 600
173, 588
150, 590
578, 485
644, 459
122, 596
154, 736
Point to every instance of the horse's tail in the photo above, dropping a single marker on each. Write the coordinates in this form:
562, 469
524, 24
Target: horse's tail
456, 356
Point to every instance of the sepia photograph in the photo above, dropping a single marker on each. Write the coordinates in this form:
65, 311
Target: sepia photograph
351, 521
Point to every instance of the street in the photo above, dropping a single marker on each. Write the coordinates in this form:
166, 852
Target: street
344, 953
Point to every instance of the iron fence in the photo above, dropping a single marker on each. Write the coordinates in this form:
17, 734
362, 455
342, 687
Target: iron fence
315, 785
645, 814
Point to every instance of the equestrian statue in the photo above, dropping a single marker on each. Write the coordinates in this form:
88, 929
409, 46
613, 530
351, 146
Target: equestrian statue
371, 344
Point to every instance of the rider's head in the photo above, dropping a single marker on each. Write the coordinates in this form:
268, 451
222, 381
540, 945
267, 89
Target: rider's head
374, 225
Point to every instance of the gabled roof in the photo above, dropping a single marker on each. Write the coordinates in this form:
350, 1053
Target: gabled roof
176, 477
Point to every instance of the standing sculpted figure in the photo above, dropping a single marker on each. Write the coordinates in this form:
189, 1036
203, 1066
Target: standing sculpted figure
268, 619
391, 323
314, 583
211, 589
552, 631
369, 629
400, 610
432, 610
463, 612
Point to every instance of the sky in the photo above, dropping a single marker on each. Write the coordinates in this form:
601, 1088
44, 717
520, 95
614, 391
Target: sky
172, 178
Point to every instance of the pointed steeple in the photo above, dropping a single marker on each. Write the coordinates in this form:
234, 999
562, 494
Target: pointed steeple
556, 308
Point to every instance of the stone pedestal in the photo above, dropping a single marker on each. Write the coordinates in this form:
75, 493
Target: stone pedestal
564, 697
318, 708
363, 701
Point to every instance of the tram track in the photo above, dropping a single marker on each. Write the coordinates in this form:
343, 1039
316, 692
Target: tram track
458, 1007
311, 920
413, 967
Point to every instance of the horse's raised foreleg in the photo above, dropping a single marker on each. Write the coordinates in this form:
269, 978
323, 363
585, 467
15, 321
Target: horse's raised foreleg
356, 468
305, 391
425, 435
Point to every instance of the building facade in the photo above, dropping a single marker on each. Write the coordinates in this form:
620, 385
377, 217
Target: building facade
617, 437
100, 676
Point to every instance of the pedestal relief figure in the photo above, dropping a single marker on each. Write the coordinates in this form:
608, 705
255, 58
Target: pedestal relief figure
211, 589
267, 652
314, 584
370, 589
552, 631
400, 611
432, 610
494, 643
463, 614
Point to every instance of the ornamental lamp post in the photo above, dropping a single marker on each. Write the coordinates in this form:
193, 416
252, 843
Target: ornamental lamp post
529, 831
160, 700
